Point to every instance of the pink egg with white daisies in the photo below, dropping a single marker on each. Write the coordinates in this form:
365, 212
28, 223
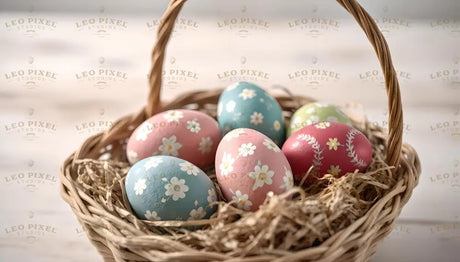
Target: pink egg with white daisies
249, 165
186, 134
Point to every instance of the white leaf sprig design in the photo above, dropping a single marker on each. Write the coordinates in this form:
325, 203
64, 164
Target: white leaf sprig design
351, 149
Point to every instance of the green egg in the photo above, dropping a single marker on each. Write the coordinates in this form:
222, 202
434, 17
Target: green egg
314, 113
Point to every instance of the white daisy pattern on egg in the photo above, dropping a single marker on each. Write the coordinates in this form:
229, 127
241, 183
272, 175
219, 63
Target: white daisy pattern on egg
173, 115
176, 188
242, 201
297, 122
334, 170
271, 145
262, 176
170, 146
152, 216
205, 145
230, 106
246, 149
132, 156
257, 118
287, 179
152, 162
323, 125
276, 125
193, 126
234, 134
196, 214
212, 195
247, 94
140, 186
226, 166
310, 110
144, 130
189, 168
314, 119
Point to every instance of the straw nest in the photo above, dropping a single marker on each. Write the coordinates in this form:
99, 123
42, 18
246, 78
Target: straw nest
356, 209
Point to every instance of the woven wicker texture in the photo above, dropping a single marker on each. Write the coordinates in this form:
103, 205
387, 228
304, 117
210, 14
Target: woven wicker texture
338, 220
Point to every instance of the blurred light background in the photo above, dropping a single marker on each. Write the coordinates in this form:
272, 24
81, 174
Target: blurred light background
410, 9
50, 102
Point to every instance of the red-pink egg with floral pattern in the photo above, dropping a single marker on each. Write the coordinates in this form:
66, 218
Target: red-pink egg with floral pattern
249, 165
186, 134
330, 147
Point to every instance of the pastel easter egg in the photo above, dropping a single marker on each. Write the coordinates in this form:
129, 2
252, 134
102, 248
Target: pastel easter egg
249, 165
330, 147
187, 134
245, 105
314, 113
169, 188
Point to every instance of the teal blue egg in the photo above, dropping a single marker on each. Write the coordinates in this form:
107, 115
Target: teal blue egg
245, 105
169, 188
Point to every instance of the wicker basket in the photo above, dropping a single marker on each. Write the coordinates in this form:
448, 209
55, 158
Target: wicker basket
344, 221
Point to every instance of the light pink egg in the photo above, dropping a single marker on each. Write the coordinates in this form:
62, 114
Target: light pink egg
249, 165
186, 134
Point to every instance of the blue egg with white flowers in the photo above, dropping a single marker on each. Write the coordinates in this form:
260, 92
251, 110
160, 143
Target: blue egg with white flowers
245, 105
169, 188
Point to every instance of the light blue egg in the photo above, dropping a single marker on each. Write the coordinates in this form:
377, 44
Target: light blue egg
169, 188
245, 105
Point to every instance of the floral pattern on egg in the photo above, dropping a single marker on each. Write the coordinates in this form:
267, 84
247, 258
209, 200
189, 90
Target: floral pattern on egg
248, 166
187, 134
169, 188
330, 147
245, 105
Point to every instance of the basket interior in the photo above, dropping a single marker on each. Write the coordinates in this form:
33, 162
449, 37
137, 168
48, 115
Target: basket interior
310, 219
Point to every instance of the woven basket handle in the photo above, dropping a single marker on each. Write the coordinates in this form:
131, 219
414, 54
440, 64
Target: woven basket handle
395, 118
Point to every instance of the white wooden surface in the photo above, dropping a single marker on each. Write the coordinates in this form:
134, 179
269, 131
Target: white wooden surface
45, 117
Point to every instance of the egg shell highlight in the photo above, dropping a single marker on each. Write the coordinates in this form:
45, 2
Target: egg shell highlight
169, 188
245, 105
187, 134
249, 165
313, 113
331, 147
